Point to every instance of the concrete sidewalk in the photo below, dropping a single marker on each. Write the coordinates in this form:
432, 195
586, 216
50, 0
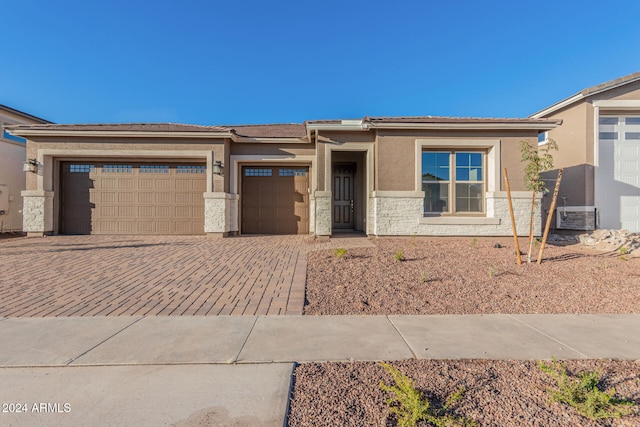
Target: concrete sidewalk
237, 370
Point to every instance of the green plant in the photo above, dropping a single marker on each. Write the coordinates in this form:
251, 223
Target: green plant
410, 406
413, 238
582, 393
340, 252
423, 277
474, 241
537, 160
399, 255
623, 250
492, 271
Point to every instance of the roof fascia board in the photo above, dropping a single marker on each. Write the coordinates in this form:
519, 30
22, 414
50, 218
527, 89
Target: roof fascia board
275, 140
558, 106
578, 97
441, 126
120, 134
617, 104
337, 126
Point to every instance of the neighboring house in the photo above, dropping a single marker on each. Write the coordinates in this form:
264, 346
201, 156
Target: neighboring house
377, 175
12, 178
599, 149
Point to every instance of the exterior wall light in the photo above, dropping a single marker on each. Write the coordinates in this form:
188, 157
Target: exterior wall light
30, 165
217, 167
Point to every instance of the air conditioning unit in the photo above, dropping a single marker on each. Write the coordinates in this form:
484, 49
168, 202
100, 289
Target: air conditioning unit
576, 218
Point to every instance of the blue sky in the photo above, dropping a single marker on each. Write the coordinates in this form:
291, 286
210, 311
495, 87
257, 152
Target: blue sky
233, 62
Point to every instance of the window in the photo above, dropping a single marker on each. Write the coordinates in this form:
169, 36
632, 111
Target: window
154, 169
543, 138
292, 172
257, 172
76, 168
7, 135
191, 169
117, 168
453, 181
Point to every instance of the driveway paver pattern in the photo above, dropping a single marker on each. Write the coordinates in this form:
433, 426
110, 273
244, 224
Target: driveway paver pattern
157, 275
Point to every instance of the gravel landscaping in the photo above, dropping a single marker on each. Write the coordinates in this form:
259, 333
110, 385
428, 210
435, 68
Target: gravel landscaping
462, 276
498, 393
470, 276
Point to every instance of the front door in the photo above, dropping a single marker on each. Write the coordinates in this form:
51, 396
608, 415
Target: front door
343, 197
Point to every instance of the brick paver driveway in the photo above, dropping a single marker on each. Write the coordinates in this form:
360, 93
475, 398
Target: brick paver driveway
156, 275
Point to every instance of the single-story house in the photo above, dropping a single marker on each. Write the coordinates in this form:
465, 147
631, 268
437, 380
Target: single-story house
12, 177
599, 149
377, 175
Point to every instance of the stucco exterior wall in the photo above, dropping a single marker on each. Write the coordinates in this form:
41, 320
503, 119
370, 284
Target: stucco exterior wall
12, 155
396, 167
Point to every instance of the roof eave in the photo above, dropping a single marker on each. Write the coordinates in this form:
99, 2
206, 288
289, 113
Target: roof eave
271, 140
472, 126
119, 134
558, 106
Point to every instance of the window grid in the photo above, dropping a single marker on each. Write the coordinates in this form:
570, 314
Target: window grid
191, 169
79, 168
117, 168
258, 172
453, 182
292, 172
154, 169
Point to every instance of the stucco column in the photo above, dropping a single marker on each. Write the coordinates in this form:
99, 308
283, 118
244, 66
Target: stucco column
37, 212
220, 214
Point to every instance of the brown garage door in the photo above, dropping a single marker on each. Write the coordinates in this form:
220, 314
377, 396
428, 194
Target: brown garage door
132, 198
275, 200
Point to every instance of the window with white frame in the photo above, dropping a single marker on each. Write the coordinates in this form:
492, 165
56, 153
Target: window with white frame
453, 182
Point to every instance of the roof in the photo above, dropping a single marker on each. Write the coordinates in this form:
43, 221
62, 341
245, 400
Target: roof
292, 130
23, 114
122, 127
453, 120
590, 91
288, 133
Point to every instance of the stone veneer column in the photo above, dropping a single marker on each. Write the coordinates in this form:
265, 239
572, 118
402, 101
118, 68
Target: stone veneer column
322, 213
220, 214
37, 212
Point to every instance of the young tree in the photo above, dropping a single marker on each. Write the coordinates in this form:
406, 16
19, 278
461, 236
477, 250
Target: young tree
537, 160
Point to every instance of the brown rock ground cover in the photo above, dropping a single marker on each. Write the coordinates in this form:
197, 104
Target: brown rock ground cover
462, 276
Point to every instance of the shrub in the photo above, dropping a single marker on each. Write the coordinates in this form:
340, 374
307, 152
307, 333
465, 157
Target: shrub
340, 252
582, 393
410, 406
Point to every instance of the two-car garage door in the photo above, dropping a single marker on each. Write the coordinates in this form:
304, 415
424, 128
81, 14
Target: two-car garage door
132, 198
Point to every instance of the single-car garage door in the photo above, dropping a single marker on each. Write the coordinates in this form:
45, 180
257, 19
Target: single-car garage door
617, 177
275, 200
132, 198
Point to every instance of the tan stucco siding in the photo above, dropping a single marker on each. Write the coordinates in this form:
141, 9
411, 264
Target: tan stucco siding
396, 165
573, 137
118, 150
272, 149
396, 168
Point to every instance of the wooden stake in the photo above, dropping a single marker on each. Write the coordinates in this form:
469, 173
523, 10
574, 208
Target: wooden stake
553, 206
513, 221
531, 223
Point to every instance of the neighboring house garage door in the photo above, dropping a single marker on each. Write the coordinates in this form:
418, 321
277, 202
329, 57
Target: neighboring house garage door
617, 177
275, 200
132, 198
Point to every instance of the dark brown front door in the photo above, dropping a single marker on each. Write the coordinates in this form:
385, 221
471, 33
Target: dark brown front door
343, 196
